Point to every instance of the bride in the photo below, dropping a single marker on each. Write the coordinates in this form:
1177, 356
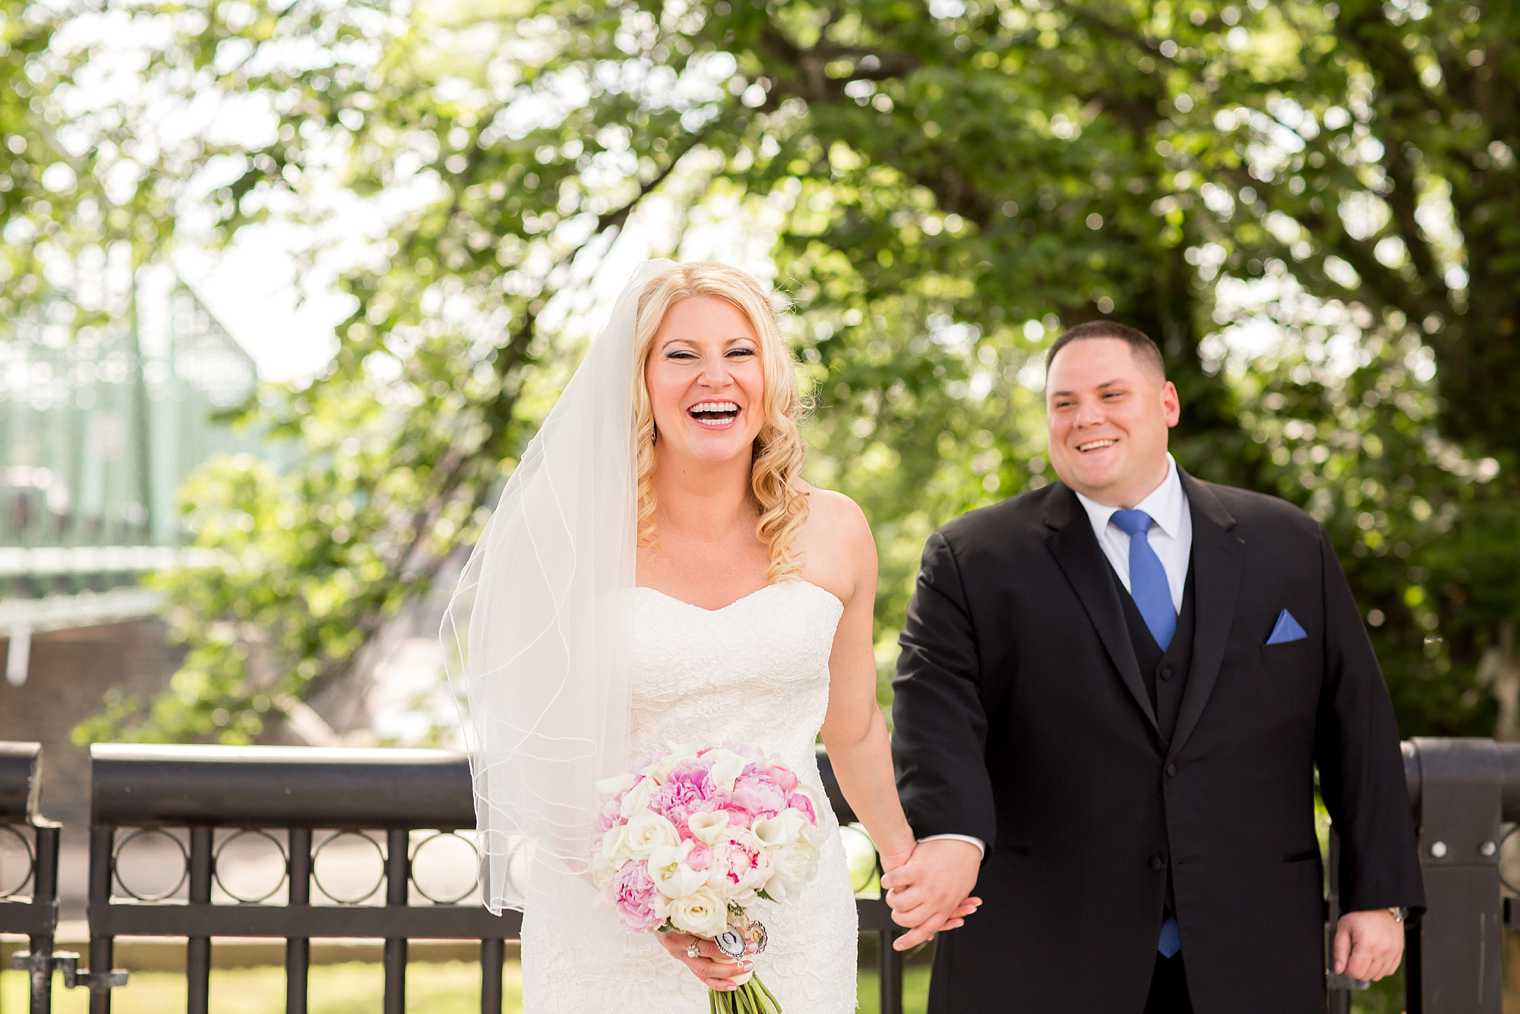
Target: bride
659, 575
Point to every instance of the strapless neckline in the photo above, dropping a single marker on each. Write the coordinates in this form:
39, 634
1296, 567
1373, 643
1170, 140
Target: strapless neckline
742, 599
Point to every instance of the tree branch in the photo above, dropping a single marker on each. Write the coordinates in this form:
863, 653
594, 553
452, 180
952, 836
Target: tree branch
458, 463
1402, 198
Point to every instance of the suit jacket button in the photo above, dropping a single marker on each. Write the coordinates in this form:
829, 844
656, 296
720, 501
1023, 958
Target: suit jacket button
1164, 671
1158, 863
1171, 769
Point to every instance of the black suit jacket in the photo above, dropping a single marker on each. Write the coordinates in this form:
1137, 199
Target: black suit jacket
1021, 718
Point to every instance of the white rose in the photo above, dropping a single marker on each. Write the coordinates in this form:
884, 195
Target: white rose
671, 876
781, 829
701, 913
647, 832
726, 768
637, 799
709, 828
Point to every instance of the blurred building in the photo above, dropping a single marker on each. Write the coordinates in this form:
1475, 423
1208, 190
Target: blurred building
108, 400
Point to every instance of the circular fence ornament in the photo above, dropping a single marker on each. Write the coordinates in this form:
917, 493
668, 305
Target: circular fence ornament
450, 866
15, 854
339, 880
141, 850
236, 865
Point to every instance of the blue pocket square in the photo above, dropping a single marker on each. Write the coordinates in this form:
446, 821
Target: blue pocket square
1286, 629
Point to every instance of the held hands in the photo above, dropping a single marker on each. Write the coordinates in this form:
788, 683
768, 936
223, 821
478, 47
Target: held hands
1368, 945
929, 891
716, 970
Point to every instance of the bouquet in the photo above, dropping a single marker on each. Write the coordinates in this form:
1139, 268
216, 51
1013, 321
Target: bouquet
690, 840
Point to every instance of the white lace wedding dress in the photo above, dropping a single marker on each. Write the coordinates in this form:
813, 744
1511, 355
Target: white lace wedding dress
754, 672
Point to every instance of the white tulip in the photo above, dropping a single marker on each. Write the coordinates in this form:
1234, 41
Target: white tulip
726, 768
782, 829
709, 828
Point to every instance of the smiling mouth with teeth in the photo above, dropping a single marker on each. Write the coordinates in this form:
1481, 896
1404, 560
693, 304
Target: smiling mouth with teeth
1095, 445
716, 414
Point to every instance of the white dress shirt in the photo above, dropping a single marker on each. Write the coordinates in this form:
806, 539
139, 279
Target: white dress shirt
1171, 536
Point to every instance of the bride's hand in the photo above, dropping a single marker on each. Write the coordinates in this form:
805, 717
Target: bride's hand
716, 970
892, 860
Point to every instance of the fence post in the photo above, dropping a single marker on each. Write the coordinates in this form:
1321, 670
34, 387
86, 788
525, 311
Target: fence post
37, 917
1454, 953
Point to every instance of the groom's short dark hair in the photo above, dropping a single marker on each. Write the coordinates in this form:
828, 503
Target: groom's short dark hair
1138, 341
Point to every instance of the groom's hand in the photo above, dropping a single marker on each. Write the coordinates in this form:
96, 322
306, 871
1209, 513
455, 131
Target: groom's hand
930, 892
1368, 945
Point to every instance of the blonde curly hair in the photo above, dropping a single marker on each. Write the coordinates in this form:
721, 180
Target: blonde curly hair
776, 471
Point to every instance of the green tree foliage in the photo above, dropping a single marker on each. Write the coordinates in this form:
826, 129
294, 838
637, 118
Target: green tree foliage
1309, 205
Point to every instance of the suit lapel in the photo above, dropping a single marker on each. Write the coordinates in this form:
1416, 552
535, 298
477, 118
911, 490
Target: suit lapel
1076, 550
1217, 560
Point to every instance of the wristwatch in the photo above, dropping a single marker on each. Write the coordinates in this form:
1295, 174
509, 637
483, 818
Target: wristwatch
1399, 914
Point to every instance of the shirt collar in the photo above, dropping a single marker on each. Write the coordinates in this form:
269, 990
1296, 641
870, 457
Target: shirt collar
1165, 504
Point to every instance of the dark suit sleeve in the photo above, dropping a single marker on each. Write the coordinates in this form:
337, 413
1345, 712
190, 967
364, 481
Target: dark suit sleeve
1361, 766
939, 721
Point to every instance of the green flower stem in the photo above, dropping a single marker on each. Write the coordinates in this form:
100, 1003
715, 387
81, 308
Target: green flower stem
750, 998
774, 1003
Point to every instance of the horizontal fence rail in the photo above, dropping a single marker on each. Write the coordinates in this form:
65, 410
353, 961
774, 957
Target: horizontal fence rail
406, 812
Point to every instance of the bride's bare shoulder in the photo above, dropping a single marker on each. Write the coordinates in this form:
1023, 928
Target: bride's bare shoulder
835, 512
836, 541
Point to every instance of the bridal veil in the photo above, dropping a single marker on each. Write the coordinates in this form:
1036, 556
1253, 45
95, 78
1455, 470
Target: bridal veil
533, 635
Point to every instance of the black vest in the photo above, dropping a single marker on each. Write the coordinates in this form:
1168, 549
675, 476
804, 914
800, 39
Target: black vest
1165, 674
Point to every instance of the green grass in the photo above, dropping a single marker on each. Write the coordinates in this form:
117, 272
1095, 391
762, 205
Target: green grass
451, 987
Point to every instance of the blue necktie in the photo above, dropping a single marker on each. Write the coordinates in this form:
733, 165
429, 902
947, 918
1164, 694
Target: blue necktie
1147, 578
1153, 597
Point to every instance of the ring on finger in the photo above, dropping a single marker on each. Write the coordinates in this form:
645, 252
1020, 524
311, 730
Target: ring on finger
693, 950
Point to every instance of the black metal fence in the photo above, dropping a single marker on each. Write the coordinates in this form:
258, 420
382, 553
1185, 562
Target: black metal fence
187, 810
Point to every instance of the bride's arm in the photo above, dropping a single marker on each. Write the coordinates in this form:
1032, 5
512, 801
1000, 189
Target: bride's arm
854, 732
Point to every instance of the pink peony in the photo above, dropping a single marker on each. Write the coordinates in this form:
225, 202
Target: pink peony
688, 790
634, 894
801, 803
758, 793
782, 776
738, 862
738, 816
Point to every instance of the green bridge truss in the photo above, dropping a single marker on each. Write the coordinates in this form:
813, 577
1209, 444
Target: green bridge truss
100, 422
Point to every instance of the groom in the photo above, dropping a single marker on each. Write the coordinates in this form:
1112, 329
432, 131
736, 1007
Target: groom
1112, 698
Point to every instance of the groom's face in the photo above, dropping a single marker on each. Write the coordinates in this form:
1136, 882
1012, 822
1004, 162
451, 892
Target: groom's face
1108, 412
